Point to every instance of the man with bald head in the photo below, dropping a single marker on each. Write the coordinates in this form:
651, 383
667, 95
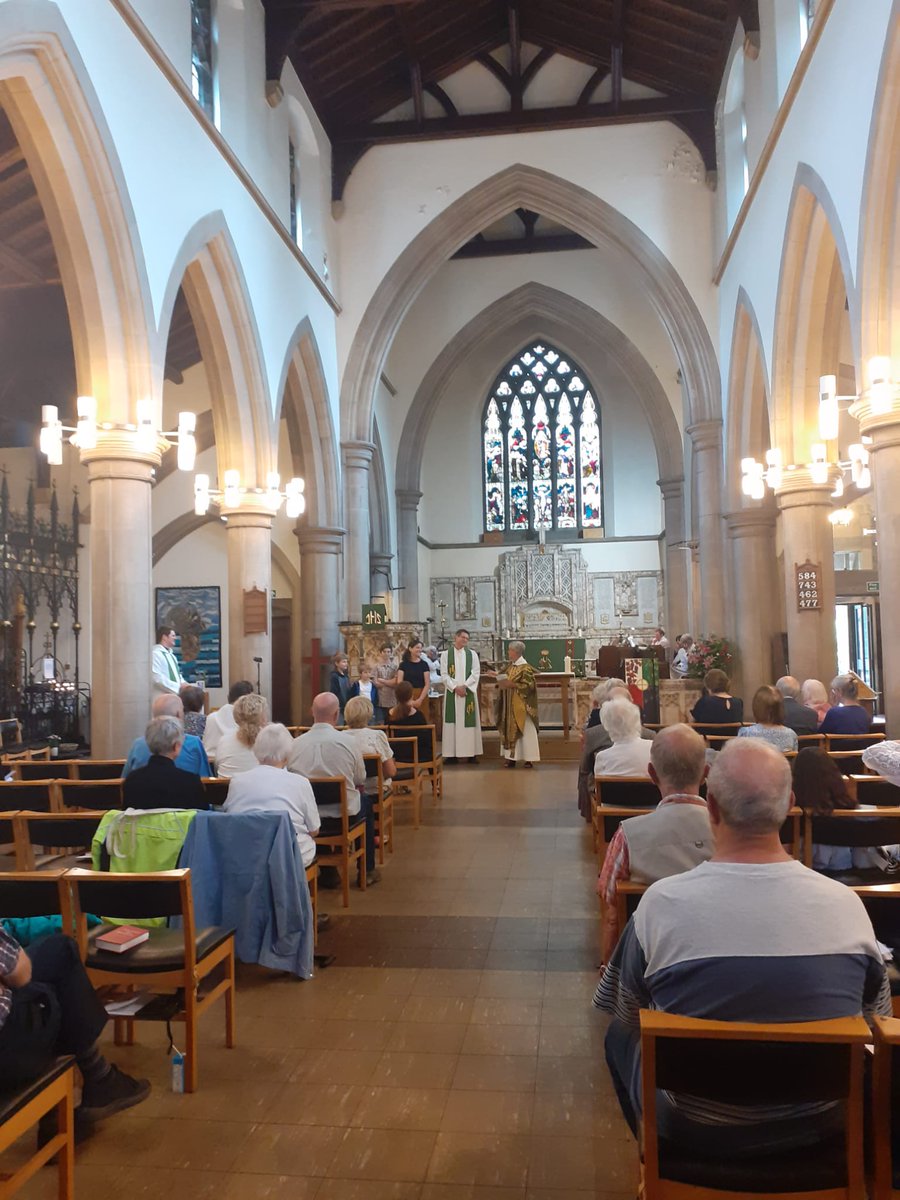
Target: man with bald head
324, 751
796, 715
752, 935
673, 838
191, 756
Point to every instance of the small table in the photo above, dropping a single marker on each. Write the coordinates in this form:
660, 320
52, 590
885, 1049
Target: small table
561, 680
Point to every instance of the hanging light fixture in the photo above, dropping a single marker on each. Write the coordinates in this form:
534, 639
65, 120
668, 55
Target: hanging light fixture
147, 438
232, 492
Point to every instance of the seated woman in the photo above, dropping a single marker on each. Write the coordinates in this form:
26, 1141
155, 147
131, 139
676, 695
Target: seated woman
194, 716
629, 753
848, 715
814, 695
717, 706
161, 784
768, 710
268, 787
235, 750
883, 758
405, 712
598, 695
358, 713
820, 787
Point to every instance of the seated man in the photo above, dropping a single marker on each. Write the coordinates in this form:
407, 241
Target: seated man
47, 1008
163, 784
596, 738
796, 715
325, 751
192, 756
751, 935
673, 838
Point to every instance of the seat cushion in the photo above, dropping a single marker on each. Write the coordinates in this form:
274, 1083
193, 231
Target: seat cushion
164, 951
12, 1102
802, 1169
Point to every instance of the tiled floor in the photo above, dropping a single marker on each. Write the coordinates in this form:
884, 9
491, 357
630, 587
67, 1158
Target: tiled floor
451, 1053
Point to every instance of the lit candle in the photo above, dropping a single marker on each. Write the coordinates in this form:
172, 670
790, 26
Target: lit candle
567, 663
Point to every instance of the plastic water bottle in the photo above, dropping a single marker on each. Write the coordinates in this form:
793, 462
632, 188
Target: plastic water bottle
177, 1071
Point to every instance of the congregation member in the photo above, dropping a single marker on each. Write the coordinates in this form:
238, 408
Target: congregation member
686, 951
325, 752
847, 714
192, 756
166, 672
414, 670
460, 668
717, 706
814, 695
596, 738
358, 715
820, 788
269, 787
797, 715
629, 753
162, 783
365, 687
768, 715
49, 1007
405, 710
883, 758
385, 676
675, 837
518, 705
339, 682
222, 721
235, 751
680, 662
194, 716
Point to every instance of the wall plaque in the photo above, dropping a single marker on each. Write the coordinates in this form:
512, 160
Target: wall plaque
256, 611
809, 586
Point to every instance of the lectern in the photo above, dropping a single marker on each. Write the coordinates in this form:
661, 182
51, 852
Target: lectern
641, 668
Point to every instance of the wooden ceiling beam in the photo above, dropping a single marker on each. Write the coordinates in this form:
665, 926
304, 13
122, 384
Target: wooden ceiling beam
496, 69
591, 86
542, 57
21, 267
435, 90
515, 54
502, 247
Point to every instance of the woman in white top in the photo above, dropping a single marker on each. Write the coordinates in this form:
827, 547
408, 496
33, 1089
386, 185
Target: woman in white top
268, 787
629, 753
235, 751
358, 713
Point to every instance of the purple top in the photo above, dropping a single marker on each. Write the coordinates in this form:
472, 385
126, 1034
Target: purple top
850, 718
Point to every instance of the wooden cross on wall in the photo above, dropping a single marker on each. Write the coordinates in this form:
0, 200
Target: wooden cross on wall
315, 660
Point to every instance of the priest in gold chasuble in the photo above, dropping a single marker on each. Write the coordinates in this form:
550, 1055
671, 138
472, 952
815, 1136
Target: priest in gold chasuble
518, 704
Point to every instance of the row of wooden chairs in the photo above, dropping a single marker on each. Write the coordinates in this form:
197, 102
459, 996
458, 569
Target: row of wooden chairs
62, 768
60, 795
430, 760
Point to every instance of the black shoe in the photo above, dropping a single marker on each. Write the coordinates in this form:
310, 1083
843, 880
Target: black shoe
329, 878
323, 920
374, 876
474, 762
450, 762
48, 1127
113, 1093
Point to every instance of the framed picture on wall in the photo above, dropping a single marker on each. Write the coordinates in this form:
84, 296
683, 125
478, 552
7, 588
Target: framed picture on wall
195, 613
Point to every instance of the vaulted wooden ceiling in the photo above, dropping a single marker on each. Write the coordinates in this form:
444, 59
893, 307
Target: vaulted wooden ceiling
360, 59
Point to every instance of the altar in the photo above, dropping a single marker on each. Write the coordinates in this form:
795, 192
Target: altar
554, 706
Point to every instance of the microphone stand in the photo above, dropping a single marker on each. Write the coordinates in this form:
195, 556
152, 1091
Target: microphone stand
258, 662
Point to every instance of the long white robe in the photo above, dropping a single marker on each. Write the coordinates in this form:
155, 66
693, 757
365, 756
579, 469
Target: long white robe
161, 663
458, 741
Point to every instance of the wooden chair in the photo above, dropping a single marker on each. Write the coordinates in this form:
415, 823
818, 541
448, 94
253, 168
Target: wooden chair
10, 732
628, 897
851, 741
297, 730
722, 732
810, 741
848, 762
431, 761
409, 772
730, 1062
36, 894
882, 902
342, 849
620, 791
384, 806
873, 789
94, 794
68, 833
7, 838
173, 960
216, 790
855, 829
312, 882
98, 768
54, 768
36, 796
29, 755
22, 1108
885, 1110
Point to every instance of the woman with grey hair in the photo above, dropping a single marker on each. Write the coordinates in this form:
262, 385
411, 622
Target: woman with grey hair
848, 715
358, 713
268, 787
629, 753
160, 784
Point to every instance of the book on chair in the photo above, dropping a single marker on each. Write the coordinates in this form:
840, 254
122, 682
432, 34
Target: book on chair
121, 938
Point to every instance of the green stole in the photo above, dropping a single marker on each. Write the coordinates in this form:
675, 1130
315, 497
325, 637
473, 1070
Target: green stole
450, 697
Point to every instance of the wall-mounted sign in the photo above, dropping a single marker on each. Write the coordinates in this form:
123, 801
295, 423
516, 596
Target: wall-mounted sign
872, 585
809, 585
374, 616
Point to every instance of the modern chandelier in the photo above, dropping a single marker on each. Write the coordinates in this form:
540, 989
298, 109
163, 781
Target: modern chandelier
147, 438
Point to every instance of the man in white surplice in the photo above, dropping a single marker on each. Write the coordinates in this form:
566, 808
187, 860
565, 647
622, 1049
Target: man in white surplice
461, 670
164, 664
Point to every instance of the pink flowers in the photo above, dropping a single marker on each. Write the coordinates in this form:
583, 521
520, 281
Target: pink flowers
708, 653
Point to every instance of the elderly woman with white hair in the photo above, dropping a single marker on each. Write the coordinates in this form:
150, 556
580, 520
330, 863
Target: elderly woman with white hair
629, 753
268, 787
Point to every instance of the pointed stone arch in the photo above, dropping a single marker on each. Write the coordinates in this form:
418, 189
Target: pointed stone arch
207, 267
748, 432
58, 121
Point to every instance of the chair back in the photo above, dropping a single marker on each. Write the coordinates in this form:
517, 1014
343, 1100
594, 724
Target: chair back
626, 791
733, 1063
851, 741
65, 831
37, 795
216, 790
34, 894
95, 794
373, 765
405, 747
882, 903
723, 731
10, 732
99, 768
848, 762
628, 897
885, 1107
810, 740
139, 897
851, 827
58, 768
332, 791
873, 789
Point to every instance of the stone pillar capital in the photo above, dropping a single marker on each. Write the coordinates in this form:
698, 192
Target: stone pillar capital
116, 447
408, 498
882, 427
319, 539
357, 455
706, 435
672, 489
381, 559
750, 522
251, 513
798, 490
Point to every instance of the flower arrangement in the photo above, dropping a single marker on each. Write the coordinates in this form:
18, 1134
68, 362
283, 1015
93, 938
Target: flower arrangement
708, 653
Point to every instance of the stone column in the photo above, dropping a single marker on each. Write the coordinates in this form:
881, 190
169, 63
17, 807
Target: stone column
884, 462
320, 590
676, 590
751, 533
806, 536
249, 549
381, 579
408, 552
122, 617
706, 441
356, 460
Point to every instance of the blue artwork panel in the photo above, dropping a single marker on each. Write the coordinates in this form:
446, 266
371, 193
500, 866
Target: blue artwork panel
196, 616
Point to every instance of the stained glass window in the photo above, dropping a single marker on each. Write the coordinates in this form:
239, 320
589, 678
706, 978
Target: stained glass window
202, 55
541, 446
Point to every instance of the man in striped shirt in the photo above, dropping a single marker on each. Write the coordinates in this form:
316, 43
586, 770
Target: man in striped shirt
751, 935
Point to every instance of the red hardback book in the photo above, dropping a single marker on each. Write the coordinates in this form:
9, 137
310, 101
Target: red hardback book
122, 938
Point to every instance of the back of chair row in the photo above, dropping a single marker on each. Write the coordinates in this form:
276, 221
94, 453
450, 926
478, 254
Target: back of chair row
57, 795
67, 768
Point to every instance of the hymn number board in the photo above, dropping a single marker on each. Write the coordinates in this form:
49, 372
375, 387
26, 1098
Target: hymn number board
809, 586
